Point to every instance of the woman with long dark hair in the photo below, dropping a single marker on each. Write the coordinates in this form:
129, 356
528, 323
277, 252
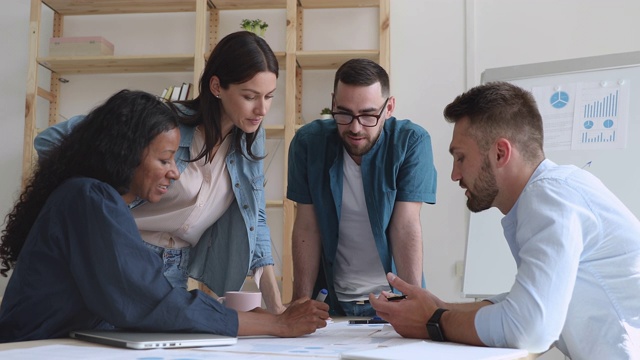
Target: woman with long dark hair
212, 225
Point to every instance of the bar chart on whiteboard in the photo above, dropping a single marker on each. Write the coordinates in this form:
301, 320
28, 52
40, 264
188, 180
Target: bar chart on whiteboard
602, 115
584, 115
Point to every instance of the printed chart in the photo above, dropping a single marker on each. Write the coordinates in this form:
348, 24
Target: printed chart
602, 116
586, 115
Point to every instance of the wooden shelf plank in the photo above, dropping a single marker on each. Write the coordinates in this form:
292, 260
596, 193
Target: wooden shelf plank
274, 131
95, 7
310, 60
119, 64
277, 131
281, 57
326, 4
249, 4
274, 203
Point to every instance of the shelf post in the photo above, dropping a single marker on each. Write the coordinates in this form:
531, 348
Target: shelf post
200, 45
289, 130
385, 35
32, 90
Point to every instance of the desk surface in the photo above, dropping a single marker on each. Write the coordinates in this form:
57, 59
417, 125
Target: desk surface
329, 343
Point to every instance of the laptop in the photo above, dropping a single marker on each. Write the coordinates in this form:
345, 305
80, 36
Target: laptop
150, 340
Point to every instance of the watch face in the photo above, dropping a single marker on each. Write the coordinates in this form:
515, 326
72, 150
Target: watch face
434, 332
433, 326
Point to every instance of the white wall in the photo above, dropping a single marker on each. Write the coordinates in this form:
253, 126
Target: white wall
431, 63
14, 27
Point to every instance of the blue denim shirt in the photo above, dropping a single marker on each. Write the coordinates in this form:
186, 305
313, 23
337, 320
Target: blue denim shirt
86, 267
220, 259
399, 167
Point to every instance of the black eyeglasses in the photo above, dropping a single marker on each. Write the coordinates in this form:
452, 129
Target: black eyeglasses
366, 120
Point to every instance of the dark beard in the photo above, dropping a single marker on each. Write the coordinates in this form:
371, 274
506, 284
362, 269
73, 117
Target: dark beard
485, 189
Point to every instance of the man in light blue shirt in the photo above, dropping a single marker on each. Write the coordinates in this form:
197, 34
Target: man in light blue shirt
576, 245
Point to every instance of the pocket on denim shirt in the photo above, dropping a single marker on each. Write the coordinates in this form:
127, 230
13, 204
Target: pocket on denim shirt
258, 182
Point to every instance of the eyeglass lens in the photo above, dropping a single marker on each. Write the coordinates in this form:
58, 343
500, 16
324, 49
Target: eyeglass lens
364, 120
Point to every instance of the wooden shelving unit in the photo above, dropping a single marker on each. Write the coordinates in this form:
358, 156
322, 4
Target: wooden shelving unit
207, 12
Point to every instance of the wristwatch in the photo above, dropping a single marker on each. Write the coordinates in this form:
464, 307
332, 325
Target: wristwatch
433, 326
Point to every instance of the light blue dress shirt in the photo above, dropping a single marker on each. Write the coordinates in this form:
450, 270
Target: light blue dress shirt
577, 249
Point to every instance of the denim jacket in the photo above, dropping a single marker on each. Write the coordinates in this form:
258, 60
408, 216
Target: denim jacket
220, 259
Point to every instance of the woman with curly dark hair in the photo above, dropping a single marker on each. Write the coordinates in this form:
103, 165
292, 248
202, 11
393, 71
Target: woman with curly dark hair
78, 259
107, 147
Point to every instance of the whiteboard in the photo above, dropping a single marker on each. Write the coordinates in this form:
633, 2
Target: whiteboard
489, 265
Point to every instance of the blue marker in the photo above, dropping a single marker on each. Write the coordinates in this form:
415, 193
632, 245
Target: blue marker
322, 295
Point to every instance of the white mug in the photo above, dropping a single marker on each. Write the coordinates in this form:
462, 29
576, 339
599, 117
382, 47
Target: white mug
241, 300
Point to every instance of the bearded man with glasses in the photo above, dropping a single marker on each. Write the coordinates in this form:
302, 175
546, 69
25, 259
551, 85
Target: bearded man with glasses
359, 181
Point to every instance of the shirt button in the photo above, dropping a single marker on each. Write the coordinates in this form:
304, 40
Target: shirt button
200, 204
232, 161
185, 227
237, 185
251, 228
245, 206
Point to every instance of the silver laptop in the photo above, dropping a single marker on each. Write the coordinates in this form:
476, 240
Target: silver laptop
148, 340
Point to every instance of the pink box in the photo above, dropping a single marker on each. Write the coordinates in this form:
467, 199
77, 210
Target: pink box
80, 46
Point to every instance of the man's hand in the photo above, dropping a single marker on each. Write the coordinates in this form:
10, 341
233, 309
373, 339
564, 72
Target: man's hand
409, 316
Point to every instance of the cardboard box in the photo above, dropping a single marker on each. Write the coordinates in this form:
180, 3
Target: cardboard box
80, 46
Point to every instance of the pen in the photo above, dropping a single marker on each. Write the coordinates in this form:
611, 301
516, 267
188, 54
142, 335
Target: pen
368, 321
390, 298
322, 295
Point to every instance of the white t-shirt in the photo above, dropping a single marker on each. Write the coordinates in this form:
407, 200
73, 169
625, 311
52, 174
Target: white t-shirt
358, 269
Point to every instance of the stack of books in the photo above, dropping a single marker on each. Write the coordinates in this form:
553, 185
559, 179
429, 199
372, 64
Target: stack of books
177, 93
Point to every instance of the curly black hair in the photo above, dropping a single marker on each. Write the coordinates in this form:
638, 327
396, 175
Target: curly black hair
107, 145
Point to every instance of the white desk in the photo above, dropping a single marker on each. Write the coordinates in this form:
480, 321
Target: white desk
327, 343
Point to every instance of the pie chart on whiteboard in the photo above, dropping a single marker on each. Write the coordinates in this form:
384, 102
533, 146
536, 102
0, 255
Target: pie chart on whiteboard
559, 99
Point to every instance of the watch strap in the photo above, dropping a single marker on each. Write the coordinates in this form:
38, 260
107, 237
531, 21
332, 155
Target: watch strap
433, 326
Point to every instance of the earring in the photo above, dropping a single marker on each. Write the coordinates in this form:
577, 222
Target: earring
217, 96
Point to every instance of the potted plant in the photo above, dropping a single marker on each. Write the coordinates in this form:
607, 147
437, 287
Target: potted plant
263, 28
246, 24
256, 26
325, 113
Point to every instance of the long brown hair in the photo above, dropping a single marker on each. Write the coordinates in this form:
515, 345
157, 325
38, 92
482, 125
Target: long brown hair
237, 58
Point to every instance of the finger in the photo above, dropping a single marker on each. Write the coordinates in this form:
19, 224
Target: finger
398, 283
387, 293
320, 305
375, 299
380, 303
321, 324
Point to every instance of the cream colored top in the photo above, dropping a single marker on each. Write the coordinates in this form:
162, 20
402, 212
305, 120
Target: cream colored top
192, 203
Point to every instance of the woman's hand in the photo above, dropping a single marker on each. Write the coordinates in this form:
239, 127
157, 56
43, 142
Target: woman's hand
303, 316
